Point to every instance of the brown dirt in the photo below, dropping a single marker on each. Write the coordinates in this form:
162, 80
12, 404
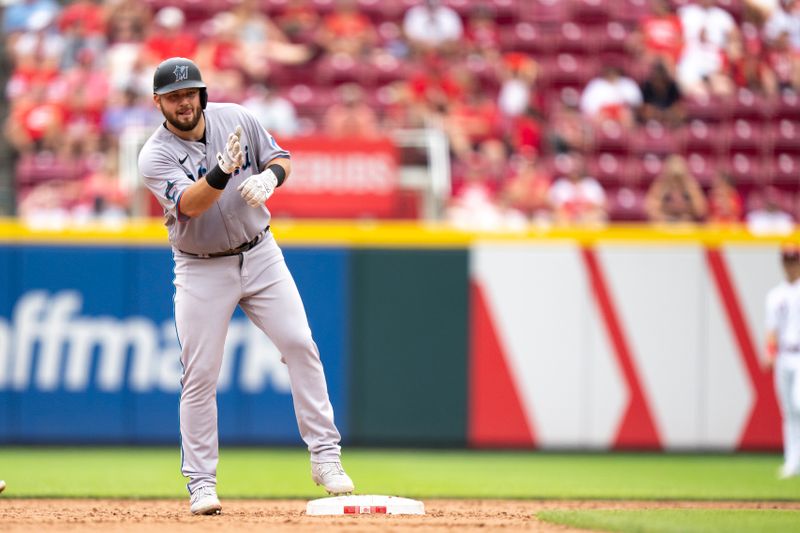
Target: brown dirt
157, 516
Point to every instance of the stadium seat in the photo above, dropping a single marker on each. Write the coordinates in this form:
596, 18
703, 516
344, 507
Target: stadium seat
788, 105
648, 167
655, 138
707, 109
744, 136
545, 11
576, 39
786, 168
746, 168
610, 136
530, 38
749, 105
703, 166
626, 204
629, 12
702, 136
40, 167
612, 169
590, 12
785, 136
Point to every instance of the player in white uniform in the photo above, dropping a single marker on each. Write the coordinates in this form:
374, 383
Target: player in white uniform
783, 352
212, 167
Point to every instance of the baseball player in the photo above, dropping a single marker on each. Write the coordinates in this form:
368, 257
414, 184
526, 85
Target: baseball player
212, 166
783, 353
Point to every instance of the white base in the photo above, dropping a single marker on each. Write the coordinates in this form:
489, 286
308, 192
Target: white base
364, 504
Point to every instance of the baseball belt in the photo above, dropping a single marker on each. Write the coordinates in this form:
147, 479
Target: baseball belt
233, 251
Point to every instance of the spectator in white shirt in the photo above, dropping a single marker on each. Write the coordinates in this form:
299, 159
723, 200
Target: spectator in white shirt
611, 96
769, 218
785, 19
718, 24
432, 25
576, 198
700, 71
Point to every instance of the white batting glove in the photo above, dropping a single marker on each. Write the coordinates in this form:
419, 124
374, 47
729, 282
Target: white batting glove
258, 188
232, 158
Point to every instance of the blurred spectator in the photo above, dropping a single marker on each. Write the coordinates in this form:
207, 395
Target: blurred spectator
675, 195
783, 64
48, 204
128, 110
275, 113
40, 46
661, 97
83, 90
101, 197
299, 21
567, 129
472, 119
431, 25
474, 203
527, 189
347, 31
660, 35
701, 69
224, 61
17, 15
518, 75
724, 201
577, 199
611, 96
263, 41
83, 26
168, 38
482, 33
351, 116
768, 216
35, 123
784, 19
704, 21
747, 67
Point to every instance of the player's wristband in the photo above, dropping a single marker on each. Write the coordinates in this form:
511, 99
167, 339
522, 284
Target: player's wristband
217, 179
279, 172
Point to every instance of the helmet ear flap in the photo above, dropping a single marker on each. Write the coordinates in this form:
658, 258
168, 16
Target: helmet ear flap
203, 98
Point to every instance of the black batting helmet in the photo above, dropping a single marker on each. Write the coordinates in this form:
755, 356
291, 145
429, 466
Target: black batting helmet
178, 73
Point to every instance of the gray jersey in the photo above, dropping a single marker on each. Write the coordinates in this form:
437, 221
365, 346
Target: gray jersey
170, 164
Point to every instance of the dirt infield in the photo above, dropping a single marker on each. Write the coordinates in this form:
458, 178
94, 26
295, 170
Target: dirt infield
157, 516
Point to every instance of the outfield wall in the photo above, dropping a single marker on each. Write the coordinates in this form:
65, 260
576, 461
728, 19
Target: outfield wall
614, 339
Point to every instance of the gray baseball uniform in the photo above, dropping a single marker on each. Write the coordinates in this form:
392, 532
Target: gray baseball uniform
209, 286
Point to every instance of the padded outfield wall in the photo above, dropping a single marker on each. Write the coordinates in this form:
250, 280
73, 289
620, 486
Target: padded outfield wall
611, 339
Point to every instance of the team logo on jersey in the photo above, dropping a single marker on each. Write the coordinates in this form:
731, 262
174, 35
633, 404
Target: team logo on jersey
181, 72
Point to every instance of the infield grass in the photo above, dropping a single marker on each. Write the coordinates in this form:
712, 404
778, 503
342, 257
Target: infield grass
678, 520
284, 473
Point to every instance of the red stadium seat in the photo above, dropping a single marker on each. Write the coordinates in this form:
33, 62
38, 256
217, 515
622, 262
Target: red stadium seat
655, 138
611, 136
745, 136
786, 168
545, 11
573, 38
747, 169
629, 12
788, 105
45, 166
703, 166
702, 136
527, 37
648, 167
612, 169
786, 137
626, 204
591, 12
708, 109
751, 106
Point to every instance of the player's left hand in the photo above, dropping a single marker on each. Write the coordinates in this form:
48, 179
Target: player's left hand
258, 188
233, 157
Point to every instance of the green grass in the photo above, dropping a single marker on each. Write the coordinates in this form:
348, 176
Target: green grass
284, 473
678, 520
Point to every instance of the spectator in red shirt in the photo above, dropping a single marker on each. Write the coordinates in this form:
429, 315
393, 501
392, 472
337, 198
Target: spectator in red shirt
82, 24
660, 35
527, 188
347, 31
724, 201
351, 116
168, 38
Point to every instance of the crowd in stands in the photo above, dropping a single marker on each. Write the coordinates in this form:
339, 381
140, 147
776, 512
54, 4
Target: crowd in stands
556, 111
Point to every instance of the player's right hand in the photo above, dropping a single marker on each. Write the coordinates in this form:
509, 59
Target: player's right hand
232, 157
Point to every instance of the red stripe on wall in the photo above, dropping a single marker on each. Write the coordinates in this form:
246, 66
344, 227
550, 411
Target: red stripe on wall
763, 428
636, 429
496, 414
